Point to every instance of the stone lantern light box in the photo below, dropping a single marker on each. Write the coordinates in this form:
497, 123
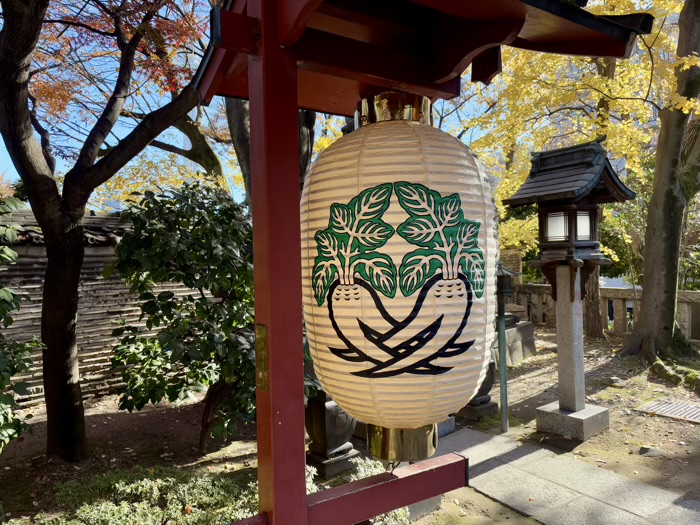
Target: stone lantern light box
569, 185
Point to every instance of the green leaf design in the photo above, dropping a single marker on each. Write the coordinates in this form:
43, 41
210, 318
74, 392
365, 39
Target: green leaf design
327, 243
324, 274
416, 268
375, 233
371, 203
354, 231
378, 269
419, 230
449, 241
474, 267
468, 234
449, 211
416, 199
341, 218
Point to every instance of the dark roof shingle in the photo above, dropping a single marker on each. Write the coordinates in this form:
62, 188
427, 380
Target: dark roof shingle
571, 174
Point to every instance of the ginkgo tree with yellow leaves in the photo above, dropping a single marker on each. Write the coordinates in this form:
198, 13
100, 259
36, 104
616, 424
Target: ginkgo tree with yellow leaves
643, 105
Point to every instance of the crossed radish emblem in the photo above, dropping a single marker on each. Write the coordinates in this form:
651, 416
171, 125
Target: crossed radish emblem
446, 268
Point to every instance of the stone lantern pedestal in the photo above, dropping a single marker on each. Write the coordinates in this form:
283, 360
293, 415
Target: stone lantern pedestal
570, 416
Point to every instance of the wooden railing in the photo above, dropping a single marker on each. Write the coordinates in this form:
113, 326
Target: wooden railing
618, 308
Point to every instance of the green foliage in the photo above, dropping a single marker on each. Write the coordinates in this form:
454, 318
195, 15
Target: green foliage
20, 191
15, 357
156, 496
199, 237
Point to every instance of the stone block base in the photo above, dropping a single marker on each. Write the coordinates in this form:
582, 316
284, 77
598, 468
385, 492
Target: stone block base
579, 425
328, 468
417, 510
447, 427
520, 344
479, 412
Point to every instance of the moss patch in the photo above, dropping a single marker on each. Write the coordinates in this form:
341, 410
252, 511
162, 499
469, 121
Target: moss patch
494, 421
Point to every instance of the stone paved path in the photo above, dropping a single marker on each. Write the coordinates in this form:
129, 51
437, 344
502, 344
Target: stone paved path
559, 490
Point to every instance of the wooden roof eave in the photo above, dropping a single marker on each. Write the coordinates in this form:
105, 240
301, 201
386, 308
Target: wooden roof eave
618, 191
360, 71
615, 185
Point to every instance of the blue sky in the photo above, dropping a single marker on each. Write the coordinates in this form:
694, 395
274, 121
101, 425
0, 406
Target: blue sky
6, 164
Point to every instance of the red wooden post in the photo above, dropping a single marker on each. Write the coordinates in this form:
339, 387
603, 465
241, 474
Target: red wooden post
277, 253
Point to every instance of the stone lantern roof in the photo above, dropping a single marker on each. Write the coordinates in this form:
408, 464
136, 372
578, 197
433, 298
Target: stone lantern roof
575, 174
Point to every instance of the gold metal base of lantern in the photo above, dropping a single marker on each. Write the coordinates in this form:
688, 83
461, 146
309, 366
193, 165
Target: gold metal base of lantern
402, 444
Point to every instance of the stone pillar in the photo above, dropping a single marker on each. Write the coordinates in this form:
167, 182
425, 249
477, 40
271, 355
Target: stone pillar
620, 313
572, 389
604, 312
570, 416
683, 317
522, 301
536, 309
550, 311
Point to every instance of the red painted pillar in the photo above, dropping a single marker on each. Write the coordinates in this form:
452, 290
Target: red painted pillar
277, 252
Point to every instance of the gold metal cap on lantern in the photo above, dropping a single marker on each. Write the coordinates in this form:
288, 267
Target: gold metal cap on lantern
402, 444
392, 105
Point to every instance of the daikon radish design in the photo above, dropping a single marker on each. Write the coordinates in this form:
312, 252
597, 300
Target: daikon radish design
447, 268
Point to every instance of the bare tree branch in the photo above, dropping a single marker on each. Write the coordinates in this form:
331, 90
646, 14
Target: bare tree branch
114, 105
135, 142
88, 27
43, 135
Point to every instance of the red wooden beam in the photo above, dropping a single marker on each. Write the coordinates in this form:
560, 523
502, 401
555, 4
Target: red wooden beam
277, 254
294, 16
458, 43
487, 65
234, 32
260, 519
598, 47
364, 499
392, 68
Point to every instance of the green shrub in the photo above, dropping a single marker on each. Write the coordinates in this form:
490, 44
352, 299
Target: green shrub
15, 357
153, 497
364, 468
199, 237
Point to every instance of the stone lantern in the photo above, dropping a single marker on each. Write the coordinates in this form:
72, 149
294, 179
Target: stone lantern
568, 185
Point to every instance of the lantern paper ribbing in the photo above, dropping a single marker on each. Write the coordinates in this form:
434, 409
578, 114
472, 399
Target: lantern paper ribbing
398, 262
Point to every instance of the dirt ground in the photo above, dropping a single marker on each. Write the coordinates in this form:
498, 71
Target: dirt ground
168, 435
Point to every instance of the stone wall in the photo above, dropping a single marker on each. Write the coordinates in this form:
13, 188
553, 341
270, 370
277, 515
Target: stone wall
618, 307
102, 303
513, 260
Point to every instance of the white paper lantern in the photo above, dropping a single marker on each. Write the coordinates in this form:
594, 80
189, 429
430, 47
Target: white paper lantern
399, 260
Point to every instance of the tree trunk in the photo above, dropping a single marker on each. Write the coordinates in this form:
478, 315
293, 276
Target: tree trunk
675, 183
238, 118
592, 322
653, 333
64, 404
216, 394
